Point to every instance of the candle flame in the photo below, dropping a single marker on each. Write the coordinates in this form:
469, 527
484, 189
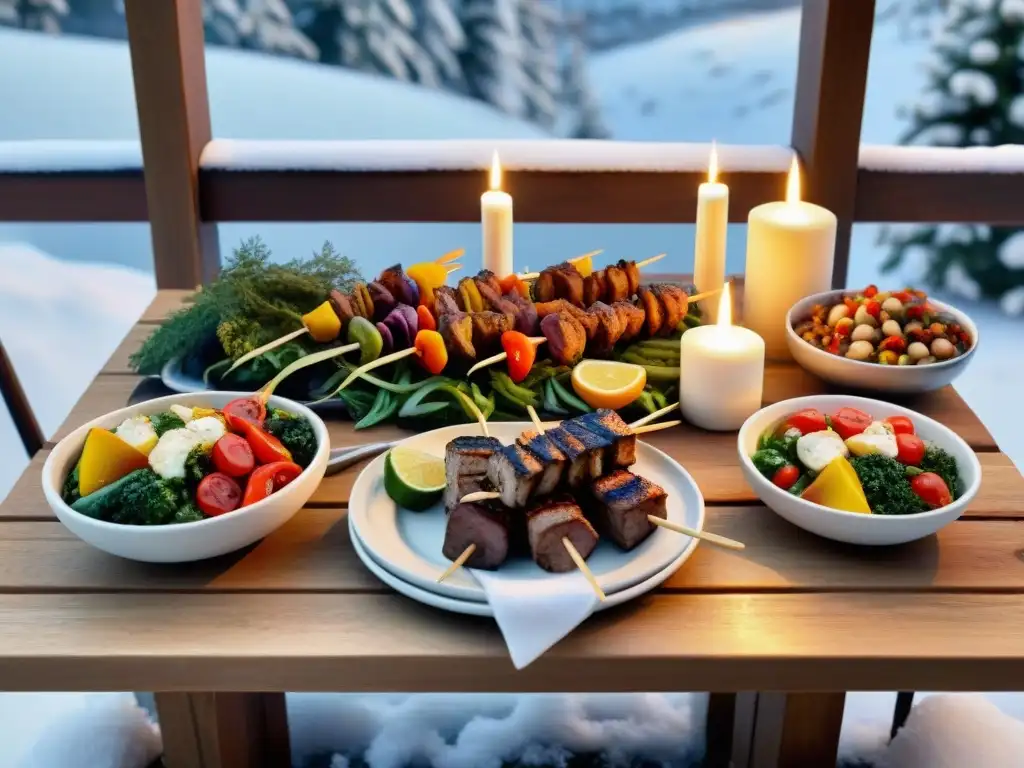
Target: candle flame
793, 182
725, 307
713, 164
495, 172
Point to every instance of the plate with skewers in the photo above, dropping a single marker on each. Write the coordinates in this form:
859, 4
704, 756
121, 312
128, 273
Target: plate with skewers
523, 497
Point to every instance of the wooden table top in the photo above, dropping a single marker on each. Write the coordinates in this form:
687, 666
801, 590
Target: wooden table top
298, 611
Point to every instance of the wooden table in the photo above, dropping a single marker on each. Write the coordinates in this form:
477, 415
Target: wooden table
298, 611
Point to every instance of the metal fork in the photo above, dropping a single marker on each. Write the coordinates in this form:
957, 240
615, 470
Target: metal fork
347, 455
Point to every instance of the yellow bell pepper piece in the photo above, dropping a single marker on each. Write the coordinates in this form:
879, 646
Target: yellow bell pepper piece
584, 265
322, 323
838, 487
428, 276
106, 458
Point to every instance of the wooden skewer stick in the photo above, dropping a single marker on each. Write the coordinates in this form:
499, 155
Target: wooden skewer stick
376, 364
706, 294
266, 348
581, 257
479, 496
656, 415
457, 563
454, 268
450, 256
657, 427
537, 341
306, 360
535, 418
648, 262
710, 538
584, 568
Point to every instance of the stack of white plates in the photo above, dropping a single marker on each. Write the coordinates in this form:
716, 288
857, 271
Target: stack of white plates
403, 548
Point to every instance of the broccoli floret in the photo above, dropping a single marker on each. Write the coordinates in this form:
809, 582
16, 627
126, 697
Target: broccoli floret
147, 499
198, 464
769, 461
296, 434
70, 492
164, 422
189, 513
886, 486
942, 464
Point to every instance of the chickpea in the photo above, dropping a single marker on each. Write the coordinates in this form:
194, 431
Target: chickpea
881, 296
904, 360
892, 328
912, 326
863, 333
860, 350
844, 327
917, 351
943, 349
893, 306
837, 313
926, 360
863, 317
883, 316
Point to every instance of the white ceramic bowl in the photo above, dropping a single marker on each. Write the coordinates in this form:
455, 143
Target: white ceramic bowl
852, 527
183, 542
860, 375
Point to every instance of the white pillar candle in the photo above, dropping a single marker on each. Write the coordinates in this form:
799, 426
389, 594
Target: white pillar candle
790, 248
496, 223
721, 372
709, 243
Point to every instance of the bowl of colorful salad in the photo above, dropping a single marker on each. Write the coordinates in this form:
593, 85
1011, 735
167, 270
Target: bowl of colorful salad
186, 477
857, 470
885, 341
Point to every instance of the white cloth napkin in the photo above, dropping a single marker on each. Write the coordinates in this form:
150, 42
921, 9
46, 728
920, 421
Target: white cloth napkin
535, 614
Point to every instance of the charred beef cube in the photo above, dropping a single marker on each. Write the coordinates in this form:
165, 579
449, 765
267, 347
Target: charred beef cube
632, 319
550, 522
544, 286
445, 301
468, 455
577, 471
549, 455
624, 501
652, 310
594, 444
456, 329
609, 328
488, 278
342, 306
592, 288
618, 284
566, 338
527, 321
568, 283
607, 424
483, 525
487, 329
514, 473
462, 485
632, 276
491, 297
675, 309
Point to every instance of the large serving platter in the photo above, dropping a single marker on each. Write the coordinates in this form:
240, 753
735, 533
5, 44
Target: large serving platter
408, 544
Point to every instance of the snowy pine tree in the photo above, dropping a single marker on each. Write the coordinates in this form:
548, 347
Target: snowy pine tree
263, 25
40, 15
541, 83
440, 32
975, 97
585, 120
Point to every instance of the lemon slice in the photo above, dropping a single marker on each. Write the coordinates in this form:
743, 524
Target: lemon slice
413, 479
608, 384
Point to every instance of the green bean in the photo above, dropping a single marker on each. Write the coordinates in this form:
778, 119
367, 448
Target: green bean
671, 346
662, 372
569, 399
660, 401
485, 404
519, 395
384, 407
551, 400
646, 401
691, 320
507, 396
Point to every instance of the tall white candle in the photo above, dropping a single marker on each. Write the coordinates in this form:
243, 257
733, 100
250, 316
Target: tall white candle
721, 372
709, 243
496, 223
790, 247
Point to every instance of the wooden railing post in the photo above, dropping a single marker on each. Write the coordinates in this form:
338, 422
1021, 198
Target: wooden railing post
169, 70
13, 395
835, 43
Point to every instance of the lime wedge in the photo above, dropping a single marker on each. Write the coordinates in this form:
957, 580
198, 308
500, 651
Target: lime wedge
413, 479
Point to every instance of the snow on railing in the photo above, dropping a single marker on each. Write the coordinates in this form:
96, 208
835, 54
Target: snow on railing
1008, 158
69, 156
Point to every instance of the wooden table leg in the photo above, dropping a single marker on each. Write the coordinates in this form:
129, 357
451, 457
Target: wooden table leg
224, 730
729, 731
797, 729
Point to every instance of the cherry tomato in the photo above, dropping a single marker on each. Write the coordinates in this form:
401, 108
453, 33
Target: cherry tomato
851, 304
269, 478
807, 421
931, 489
873, 308
910, 449
217, 493
265, 446
848, 422
244, 409
431, 350
233, 455
425, 318
786, 476
871, 291
521, 354
901, 425
903, 296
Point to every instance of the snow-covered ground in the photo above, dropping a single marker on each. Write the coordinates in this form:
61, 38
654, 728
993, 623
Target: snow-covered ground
730, 80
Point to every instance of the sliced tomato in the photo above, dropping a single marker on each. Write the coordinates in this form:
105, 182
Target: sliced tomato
217, 493
873, 308
233, 455
901, 425
931, 489
910, 449
848, 422
521, 354
269, 478
871, 291
786, 476
244, 409
807, 421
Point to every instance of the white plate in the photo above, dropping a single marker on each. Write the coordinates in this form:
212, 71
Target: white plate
408, 544
473, 608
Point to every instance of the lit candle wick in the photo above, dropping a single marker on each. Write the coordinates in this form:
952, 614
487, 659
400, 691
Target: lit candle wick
713, 165
725, 308
793, 182
495, 172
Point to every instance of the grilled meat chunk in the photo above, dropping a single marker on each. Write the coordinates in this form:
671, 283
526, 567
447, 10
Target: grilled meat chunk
514, 473
445, 301
568, 283
593, 287
526, 320
618, 284
544, 286
563, 307
382, 299
468, 455
456, 328
487, 329
594, 444
624, 501
550, 522
608, 425
632, 276
394, 279
652, 310
632, 318
674, 312
578, 470
463, 484
681, 296
485, 526
488, 278
566, 338
548, 454
609, 328
342, 306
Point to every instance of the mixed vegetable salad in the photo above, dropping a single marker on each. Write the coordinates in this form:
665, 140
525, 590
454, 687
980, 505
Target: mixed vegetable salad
889, 328
849, 461
186, 464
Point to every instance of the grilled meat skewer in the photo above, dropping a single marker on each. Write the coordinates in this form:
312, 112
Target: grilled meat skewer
624, 501
550, 521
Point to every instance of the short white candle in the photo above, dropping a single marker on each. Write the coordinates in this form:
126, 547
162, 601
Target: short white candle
721, 372
496, 223
709, 243
790, 248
